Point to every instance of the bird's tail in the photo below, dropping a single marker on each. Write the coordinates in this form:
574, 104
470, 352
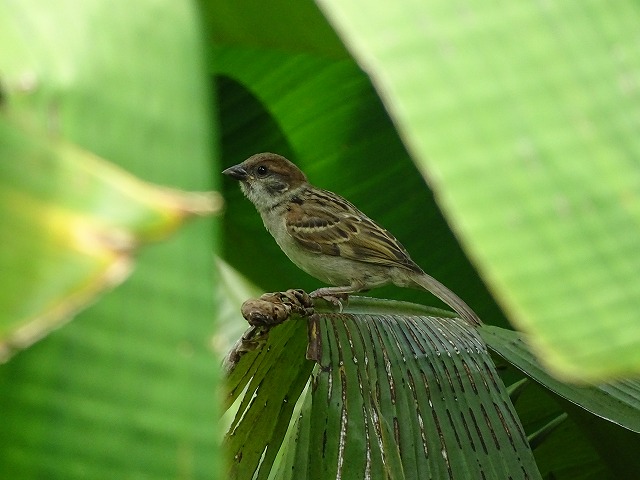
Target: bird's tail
430, 284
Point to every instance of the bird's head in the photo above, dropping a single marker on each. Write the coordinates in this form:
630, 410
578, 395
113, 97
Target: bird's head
267, 178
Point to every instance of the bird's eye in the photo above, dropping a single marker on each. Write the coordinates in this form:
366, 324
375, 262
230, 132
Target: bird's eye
262, 171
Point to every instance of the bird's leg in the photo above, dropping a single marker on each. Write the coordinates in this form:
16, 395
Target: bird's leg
334, 295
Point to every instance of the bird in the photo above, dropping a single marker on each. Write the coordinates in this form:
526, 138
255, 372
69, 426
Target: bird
329, 238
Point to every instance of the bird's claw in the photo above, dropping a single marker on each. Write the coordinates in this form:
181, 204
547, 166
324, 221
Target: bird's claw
334, 299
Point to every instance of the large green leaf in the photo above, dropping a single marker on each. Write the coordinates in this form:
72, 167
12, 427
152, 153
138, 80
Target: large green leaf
393, 396
127, 390
523, 119
71, 224
292, 26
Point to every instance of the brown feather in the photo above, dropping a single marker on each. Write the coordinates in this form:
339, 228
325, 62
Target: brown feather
324, 230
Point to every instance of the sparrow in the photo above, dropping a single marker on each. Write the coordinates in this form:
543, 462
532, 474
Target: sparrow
328, 237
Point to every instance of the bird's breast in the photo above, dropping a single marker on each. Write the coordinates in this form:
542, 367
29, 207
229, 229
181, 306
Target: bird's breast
326, 268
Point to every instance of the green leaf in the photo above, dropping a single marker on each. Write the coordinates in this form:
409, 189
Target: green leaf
609, 410
128, 389
394, 396
521, 118
270, 380
618, 402
292, 26
71, 225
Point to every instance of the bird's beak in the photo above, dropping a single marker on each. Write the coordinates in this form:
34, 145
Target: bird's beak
236, 172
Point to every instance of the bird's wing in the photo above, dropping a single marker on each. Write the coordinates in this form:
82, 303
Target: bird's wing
343, 231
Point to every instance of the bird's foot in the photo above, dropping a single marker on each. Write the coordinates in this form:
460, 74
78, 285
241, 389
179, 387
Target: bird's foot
335, 299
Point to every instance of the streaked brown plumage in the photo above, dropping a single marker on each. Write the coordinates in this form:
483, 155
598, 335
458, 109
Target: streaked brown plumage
328, 237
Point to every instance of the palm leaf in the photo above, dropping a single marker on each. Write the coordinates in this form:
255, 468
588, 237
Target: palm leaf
400, 396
